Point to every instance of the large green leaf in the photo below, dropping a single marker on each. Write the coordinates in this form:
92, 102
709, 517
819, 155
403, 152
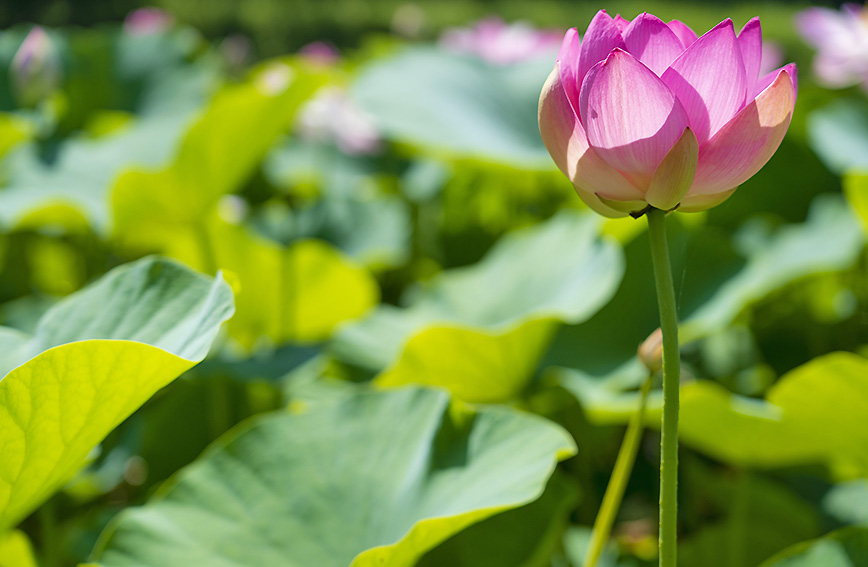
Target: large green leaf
94, 359
559, 270
813, 414
457, 104
376, 479
844, 548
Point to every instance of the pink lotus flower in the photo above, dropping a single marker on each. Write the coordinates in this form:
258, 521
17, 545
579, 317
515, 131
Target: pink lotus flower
36, 68
643, 113
841, 39
500, 43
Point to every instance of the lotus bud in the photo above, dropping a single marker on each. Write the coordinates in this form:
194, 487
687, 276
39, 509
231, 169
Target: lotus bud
650, 352
36, 68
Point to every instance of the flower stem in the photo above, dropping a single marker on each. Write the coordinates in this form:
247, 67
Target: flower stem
671, 383
618, 482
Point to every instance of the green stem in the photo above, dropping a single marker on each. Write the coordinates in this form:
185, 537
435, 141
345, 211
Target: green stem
618, 481
671, 382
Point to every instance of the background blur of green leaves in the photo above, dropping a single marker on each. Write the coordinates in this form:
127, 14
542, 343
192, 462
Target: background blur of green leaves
428, 355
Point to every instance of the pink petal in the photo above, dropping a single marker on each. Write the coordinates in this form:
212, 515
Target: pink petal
748, 141
683, 32
622, 23
651, 41
631, 118
565, 139
568, 61
750, 40
768, 79
559, 126
674, 176
601, 38
708, 79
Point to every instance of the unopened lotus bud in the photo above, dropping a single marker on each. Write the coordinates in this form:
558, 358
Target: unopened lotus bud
651, 351
35, 71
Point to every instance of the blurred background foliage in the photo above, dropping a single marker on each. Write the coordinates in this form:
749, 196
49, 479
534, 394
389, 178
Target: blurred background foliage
438, 246
282, 26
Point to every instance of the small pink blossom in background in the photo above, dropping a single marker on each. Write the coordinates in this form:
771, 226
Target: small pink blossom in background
644, 113
841, 41
147, 21
332, 117
320, 53
500, 43
36, 68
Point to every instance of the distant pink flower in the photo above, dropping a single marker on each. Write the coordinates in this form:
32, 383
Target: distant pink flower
643, 113
497, 42
320, 53
36, 68
841, 40
147, 21
330, 116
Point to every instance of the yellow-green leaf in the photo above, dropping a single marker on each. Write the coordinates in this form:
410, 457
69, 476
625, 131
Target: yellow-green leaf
94, 359
476, 365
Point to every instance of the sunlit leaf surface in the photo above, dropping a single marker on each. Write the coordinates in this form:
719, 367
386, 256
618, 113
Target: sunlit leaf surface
388, 476
94, 359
